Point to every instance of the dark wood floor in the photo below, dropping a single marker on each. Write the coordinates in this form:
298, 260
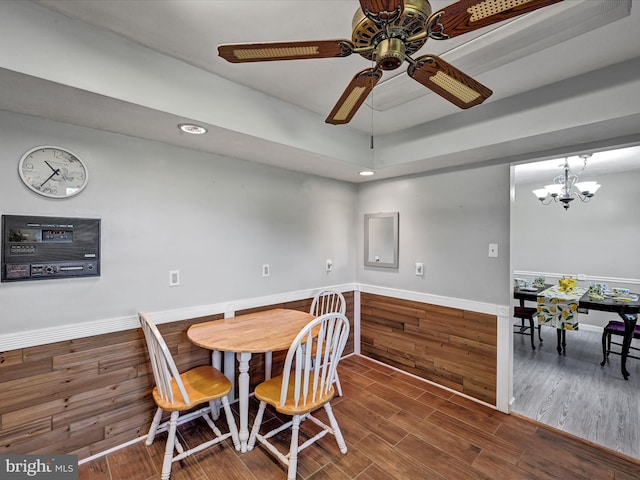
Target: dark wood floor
396, 427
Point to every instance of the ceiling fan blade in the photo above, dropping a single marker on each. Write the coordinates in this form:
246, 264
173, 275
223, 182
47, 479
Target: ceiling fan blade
448, 82
354, 95
265, 52
467, 15
382, 11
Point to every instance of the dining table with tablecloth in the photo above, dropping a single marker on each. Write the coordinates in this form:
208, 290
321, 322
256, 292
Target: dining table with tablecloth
559, 308
626, 307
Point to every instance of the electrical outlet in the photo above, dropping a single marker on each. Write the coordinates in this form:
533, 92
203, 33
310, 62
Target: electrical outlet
582, 276
265, 270
174, 278
493, 250
328, 265
419, 269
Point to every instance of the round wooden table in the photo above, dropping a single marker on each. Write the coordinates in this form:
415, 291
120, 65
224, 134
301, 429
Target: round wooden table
258, 332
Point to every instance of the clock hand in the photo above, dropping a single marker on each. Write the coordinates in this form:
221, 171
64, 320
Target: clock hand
55, 172
50, 166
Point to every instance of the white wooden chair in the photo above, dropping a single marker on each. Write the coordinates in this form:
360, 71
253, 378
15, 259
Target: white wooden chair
306, 384
176, 393
329, 301
325, 301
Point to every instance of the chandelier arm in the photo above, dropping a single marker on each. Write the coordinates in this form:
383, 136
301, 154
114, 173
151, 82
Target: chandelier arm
584, 198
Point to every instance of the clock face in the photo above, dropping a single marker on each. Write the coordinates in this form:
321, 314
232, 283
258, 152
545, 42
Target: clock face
53, 172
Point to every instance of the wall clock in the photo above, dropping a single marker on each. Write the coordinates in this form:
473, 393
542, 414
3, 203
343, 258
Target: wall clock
53, 172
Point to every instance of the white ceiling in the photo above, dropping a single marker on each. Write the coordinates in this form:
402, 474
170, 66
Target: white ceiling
533, 56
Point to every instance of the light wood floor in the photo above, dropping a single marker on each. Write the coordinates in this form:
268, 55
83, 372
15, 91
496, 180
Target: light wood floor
396, 427
575, 394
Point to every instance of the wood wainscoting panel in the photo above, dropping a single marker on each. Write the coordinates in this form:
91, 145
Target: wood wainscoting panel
451, 347
88, 395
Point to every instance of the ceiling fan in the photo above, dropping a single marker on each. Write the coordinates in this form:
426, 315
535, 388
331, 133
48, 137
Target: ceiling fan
388, 32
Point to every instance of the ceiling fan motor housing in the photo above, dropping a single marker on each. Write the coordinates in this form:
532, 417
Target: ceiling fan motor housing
389, 54
388, 38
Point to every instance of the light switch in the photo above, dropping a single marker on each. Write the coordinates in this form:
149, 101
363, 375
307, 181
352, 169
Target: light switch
493, 249
419, 269
328, 265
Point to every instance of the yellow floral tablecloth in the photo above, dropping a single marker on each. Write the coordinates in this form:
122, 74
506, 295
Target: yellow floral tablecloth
559, 309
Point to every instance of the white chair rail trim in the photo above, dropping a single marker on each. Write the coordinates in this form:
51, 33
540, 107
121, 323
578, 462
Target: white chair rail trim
32, 338
586, 278
60, 333
439, 300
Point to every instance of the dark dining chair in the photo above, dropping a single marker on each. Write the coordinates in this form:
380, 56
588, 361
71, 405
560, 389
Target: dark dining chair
615, 327
179, 393
305, 385
529, 314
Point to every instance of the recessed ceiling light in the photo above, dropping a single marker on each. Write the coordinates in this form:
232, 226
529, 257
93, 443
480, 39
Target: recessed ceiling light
192, 128
365, 173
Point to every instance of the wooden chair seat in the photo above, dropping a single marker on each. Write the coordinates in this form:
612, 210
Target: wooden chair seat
203, 384
269, 392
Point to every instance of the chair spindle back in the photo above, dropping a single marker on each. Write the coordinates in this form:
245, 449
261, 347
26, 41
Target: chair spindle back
165, 371
314, 369
328, 301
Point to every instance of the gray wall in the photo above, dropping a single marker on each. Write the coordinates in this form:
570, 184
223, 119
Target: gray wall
447, 222
598, 239
216, 219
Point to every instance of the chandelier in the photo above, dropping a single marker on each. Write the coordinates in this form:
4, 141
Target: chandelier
565, 187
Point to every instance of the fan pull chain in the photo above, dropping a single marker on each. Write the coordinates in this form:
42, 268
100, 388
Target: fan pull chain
371, 144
